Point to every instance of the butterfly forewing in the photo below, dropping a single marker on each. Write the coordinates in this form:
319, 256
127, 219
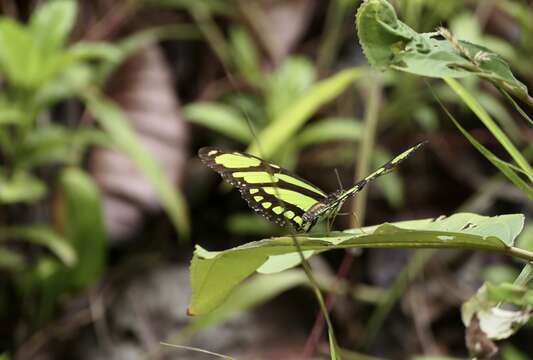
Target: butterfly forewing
333, 202
270, 190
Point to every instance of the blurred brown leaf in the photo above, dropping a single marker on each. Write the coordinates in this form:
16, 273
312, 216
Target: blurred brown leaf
144, 88
478, 343
278, 24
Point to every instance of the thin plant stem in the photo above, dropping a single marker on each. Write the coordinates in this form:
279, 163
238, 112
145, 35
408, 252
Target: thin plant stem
213, 35
371, 119
195, 349
367, 144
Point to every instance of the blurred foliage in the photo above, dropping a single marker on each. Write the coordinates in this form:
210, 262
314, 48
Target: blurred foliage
39, 71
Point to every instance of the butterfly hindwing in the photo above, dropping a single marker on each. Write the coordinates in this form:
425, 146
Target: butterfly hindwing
270, 190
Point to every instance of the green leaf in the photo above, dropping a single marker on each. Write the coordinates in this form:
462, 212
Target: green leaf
471, 102
19, 54
525, 240
510, 293
221, 118
504, 167
245, 55
56, 144
116, 125
52, 23
99, 51
72, 80
497, 274
284, 126
215, 274
10, 114
20, 187
509, 352
258, 290
330, 129
249, 224
388, 42
83, 226
288, 82
41, 235
10, 260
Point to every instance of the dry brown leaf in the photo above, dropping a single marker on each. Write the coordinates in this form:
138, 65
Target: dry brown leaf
278, 24
143, 87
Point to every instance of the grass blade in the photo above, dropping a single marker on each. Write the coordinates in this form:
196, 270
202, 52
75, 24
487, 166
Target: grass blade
471, 102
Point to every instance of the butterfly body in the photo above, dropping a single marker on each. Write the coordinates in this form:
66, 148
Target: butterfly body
279, 195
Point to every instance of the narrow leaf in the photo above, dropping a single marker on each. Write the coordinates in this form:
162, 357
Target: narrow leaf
505, 168
221, 118
471, 102
283, 127
83, 225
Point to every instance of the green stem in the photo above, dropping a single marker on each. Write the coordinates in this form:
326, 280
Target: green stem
484, 117
316, 290
520, 253
213, 35
329, 44
367, 144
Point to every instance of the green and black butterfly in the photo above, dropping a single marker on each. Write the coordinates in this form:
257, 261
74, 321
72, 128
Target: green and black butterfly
281, 196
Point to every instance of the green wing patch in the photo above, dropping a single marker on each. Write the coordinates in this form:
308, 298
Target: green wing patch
270, 190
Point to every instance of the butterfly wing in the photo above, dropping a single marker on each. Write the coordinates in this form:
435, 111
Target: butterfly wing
270, 190
385, 169
334, 201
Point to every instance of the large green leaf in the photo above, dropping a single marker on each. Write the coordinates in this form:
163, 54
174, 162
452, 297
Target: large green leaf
83, 225
115, 124
258, 290
388, 42
287, 123
215, 274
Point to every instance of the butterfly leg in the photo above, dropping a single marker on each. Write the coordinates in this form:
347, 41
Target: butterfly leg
356, 220
329, 224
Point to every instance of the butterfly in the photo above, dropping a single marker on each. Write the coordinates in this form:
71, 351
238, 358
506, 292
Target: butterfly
281, 196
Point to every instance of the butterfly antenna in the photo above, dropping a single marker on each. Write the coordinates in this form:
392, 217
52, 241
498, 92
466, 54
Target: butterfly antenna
338, 178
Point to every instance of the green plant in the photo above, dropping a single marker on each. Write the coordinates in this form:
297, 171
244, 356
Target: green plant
389, 43
40, 70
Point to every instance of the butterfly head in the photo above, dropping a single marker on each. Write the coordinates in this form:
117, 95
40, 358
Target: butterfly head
323, 209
